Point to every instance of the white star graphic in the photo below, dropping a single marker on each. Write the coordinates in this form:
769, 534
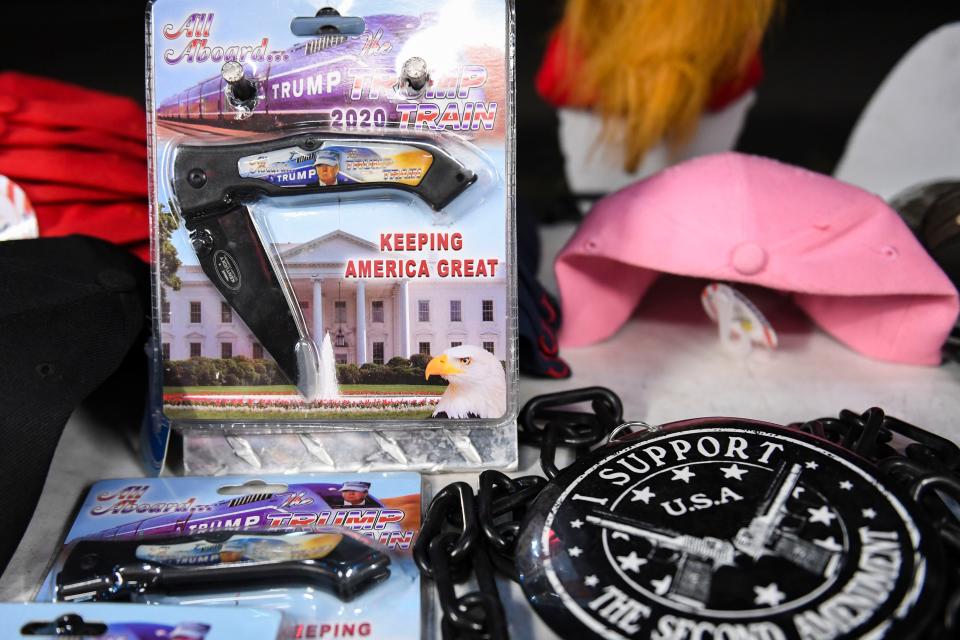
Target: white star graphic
662, 585
869, 514
632, 562
812, 465
733, 471
846, 485
821, 515
769, 595
643, 494
830, 544
591, 581
684, 474
575, 552
796, 492
576, 524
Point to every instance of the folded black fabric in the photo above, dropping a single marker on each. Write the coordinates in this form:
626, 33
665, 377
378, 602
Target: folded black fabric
72, 308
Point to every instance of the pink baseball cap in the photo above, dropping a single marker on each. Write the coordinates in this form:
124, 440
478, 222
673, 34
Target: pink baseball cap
851, 263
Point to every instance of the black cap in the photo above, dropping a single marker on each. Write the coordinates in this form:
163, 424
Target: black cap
71, 310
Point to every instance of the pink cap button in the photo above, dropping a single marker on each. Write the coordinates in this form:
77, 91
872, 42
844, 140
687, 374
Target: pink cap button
748, 258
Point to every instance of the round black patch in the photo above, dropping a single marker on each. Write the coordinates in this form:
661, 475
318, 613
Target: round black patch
228, 271
731, 529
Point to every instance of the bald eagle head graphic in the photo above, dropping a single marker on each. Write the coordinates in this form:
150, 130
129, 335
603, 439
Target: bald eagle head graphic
478, 383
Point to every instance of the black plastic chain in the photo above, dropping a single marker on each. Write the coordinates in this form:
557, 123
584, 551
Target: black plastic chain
465, 535
928, 469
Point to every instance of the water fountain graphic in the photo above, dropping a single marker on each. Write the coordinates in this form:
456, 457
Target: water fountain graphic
327, 383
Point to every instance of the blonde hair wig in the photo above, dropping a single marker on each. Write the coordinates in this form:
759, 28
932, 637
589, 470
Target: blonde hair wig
650, 67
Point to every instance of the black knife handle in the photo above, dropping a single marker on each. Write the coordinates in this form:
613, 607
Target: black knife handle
109, 571
207, 178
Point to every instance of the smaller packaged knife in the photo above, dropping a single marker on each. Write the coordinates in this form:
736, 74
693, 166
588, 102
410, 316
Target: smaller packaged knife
122, 570
107, 621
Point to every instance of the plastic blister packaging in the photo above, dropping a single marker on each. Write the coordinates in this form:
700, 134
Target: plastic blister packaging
331, 553
334, 245
36, 620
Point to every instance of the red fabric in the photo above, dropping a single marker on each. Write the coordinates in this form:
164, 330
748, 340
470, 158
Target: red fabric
62, 165
559, 64
80, 156
119, 222
730, 92
31, 99
28, 135
48, 193
550, 80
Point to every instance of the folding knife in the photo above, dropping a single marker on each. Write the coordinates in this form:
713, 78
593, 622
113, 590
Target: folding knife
119, 570
213, 185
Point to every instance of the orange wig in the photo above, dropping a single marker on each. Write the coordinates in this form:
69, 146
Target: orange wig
649, 68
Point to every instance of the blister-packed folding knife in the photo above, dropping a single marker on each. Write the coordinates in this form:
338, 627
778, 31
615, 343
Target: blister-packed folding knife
121, 570
214, 185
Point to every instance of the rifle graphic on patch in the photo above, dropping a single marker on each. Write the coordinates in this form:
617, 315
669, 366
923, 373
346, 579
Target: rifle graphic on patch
698, 558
